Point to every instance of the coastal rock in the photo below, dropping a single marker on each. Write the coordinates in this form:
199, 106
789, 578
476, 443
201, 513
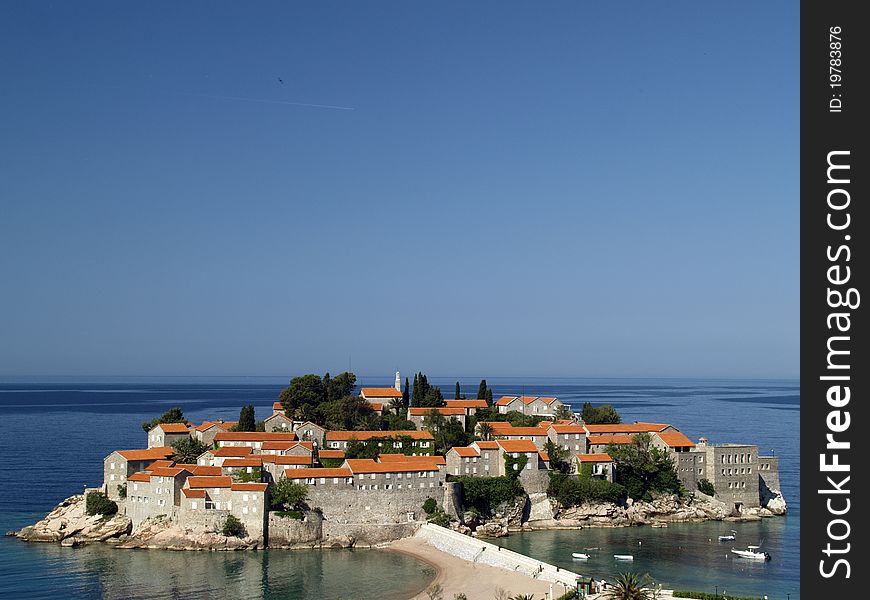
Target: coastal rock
164, 535
492, 529
540, 508
773, 501
660, 510
343, 541
67, 523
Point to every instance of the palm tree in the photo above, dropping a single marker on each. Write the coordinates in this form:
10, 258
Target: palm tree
522, 597
485, 430
630, 586
396, 405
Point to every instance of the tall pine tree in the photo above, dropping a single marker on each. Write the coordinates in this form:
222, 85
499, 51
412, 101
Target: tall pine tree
457, 394
406, 394
247, 421
481, 390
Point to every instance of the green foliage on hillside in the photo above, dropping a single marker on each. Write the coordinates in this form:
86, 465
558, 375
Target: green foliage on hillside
600, 415
486, 494
514, 417
286, 494
705, 487
643, 469
232, 526
448, 432
570, 490
560, 459
173, 415
97, 503
187, 450
373, 447
242, 476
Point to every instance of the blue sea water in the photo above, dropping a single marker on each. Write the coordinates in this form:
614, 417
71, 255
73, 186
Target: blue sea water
54, 435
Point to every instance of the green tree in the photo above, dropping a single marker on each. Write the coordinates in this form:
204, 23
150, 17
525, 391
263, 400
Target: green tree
359, 449
247, 421
348, 413
487, 494
307, 389
600, 415
447, 432
457, 393
481, 390
187, 450
489, 396
705, 487
563, 413
173, 415
644, 469
630, 586
430, 506
341, 386
232, 527
485, 431
288, 495
406, 394
97, 503
560, 459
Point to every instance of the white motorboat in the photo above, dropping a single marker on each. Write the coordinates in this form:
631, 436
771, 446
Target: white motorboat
728, 537
752, 552
579, 555
623, 556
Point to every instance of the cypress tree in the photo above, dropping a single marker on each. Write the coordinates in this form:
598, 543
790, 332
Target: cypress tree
481, 390
406, 395
415, 392
457, 394
247, 421
489, 396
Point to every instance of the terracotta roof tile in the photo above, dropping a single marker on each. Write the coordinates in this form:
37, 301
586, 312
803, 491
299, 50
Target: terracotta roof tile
375, 392
443, 410
248, 461
488, 445
232, 451
568, 429
465, 403
209, 482
287, 460
173, 427
627, 428
140, 476
367, 465
149, 454
378, 406
189, 493
543, 455
675, 439
465, 451
168, 471
331, 454
159, 463
518, 431
365, 435
505, 400
203, 470
517, 445
438, 460
595, 440
277, 406
249, 487
598, 457
306, 473
253, 436
284, 445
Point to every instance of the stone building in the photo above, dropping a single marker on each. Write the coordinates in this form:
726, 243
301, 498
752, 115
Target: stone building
596, 444
733, 471
469, 406
493, 458
540, 406
120, 464
311, 432
166, 434
570, 437
422, 442
419, 416
254, 439
382, 396
627, 428
205, 433
602, 465
688, 464
216, 456
505, 431
278, 422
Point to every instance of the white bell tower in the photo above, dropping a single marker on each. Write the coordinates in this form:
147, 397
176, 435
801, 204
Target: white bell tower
398, 382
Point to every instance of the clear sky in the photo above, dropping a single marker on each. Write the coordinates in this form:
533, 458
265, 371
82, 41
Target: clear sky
486, 188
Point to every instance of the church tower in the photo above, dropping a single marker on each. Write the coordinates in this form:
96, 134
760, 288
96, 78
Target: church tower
398, 382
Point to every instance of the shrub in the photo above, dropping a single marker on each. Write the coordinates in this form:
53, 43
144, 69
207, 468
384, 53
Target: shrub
122, 490
485, 494
97, 503
430, 506
570, 595
288, 494
232, 526
440, 518
705, 487
573, 491
290, 514
515, 466
706, 596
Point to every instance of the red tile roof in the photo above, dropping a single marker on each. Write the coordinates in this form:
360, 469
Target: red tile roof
209, 482
627, 428
599, 457
232, 451
253, 436
140, 476
278, 415
378, 406
547, 399
365, 435
159, 463
204, 470
287, 460
149, 454
249, 487
173, 427
675, 439
465, 403
498, 424
306, 473
249, 461
168, 471
376, 392
285, 445
543, 455
225, 425
489, 445
594, 440
505, 400
331, 454
443, 410
517, 431
568, 429
277, 406
367, 465
465, 451
438, 460
517, 445
189, 493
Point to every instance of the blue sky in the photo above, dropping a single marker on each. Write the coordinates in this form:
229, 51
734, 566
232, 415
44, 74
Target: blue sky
569, 188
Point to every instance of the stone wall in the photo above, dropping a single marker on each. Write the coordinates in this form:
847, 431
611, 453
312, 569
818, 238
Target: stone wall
768, 470
285, 532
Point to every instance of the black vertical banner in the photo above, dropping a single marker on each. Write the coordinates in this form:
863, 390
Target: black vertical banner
835, 222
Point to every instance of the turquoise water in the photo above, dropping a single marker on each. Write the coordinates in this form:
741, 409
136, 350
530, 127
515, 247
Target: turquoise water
55, 434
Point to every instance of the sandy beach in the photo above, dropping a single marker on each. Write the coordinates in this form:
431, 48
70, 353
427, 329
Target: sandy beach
477, 582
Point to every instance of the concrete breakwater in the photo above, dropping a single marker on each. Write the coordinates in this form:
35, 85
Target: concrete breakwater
478, 551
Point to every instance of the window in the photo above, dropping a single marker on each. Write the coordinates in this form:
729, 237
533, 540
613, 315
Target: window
576, 436
323, 480
486, 456
388, 486
112, 466
486, 467
112, 477
397, 444
387, 475
373, 476
431, 484
193, 505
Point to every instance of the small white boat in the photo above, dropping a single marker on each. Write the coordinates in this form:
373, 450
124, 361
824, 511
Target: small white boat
728, 537
579, 555
752, 552
623, 556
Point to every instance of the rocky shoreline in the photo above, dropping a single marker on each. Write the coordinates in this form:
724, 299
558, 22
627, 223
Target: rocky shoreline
68, 524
